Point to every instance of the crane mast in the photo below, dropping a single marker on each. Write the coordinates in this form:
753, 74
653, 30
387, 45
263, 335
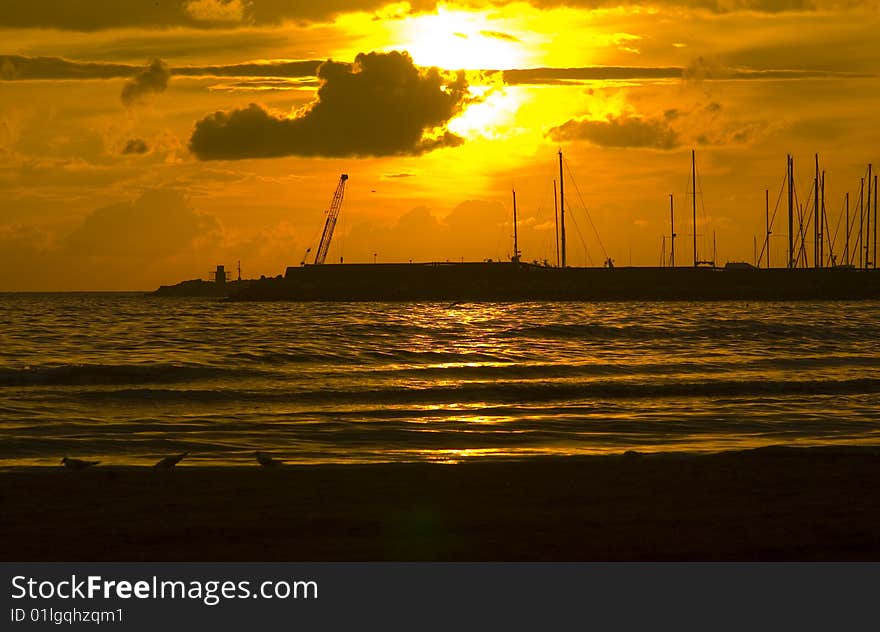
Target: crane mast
330, 224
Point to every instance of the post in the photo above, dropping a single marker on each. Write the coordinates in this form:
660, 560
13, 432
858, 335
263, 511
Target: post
694, 174
672, 231
556, 219
561, 208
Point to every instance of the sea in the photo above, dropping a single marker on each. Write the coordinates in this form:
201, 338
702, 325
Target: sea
129, 378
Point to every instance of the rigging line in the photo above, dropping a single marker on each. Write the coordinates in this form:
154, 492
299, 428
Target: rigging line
773, 218
703, 215
837, 228
589, 217
581, 237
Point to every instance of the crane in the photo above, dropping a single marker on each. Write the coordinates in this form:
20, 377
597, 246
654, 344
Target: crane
330, 223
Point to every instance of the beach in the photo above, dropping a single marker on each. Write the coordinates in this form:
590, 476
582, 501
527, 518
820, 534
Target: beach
769, 504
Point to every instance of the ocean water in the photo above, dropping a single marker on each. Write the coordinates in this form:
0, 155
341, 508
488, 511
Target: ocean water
127, 378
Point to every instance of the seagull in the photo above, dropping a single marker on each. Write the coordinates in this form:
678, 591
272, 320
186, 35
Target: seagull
265, 460
77, 464
169, 462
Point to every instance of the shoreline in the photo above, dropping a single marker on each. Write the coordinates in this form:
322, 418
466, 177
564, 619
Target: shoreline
766, 504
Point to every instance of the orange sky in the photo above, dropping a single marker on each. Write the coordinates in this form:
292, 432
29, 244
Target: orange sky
145, 144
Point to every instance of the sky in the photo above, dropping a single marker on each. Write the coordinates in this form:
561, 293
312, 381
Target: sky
145, 142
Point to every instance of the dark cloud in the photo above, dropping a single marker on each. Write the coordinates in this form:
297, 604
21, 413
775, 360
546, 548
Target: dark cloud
500, 35
136, 146
156, 224
381, 105
307, 68
17, 67
20, 68
93, 15
589, 73
712, 6
625, 131
151, 80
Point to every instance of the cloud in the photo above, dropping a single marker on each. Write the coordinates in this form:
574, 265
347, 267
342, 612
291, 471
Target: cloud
21, 68
587, 73
135, 146
500, 35
215, 10
382, 105
94, 15
151, 80
623, 131
158, 223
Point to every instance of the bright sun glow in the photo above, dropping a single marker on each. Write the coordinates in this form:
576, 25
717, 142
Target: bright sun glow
455, 39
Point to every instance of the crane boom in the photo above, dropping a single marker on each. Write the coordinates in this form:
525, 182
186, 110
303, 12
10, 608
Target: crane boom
330, 224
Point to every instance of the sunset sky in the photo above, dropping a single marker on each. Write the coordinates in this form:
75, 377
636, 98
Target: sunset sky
144, 142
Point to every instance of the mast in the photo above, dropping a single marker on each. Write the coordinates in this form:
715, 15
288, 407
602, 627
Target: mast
875, 222
767, 224
556, 219
515, 257
861, 218
561, 208
694, 182
822, 227
714, 257
788, 176
846, 247
816, 234
868, 223
672, 231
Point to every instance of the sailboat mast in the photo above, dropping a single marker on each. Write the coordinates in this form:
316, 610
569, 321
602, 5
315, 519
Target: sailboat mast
672, 231
875, 222
556, 219
846, 248
515, 257
816, 234
788, 176
767, 224
861, 218
694, 183
561, 208
868, 224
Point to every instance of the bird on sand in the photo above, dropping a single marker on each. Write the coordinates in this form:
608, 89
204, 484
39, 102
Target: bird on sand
169, 462
77, 464
265, 460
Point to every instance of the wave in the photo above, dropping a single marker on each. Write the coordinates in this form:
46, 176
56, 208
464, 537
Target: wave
712, 329
499, 392
110, 374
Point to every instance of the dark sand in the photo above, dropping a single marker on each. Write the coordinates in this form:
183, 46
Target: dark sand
768, 504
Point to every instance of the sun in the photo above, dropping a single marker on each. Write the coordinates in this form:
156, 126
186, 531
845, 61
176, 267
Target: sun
455, 39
